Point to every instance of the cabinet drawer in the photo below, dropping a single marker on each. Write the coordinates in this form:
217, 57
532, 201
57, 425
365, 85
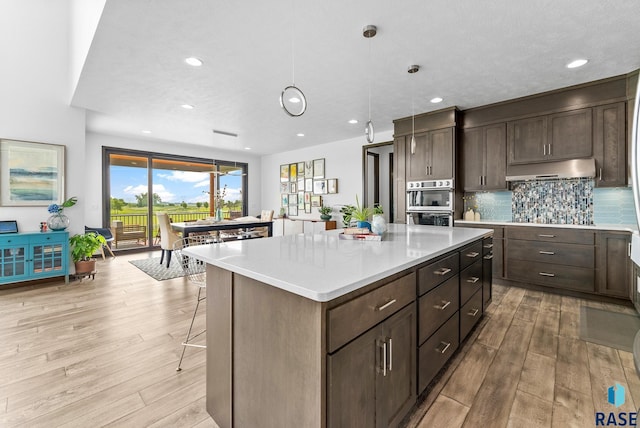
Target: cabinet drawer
552, 252
437, 272
437, 306
470, 281
10, 241
470, 254
470, 314
356, 316
436, 351
487, 245
551, 234
570, 277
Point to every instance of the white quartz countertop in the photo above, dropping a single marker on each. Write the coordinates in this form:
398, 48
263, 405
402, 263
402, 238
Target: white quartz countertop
489, 223
322, 267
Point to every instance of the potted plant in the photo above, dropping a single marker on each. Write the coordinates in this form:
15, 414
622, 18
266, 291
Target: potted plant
83, 246
325, 212
361, 214
347, 211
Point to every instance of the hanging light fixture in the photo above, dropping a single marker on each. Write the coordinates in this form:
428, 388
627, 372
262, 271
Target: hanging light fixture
412, 70
292, 99
369, 32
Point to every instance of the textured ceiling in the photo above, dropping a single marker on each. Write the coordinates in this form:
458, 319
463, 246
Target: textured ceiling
471, 53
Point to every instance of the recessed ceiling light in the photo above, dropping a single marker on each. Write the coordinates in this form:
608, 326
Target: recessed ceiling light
577, 63
187, 106
146, 131
436, 100
247, 148
294, 100
300, 134
353, 121
193, 61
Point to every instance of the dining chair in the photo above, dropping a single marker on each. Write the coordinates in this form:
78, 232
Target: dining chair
195, 271
168, 237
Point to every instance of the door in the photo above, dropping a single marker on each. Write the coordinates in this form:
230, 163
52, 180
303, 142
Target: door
609, 148
473, 153
570, 135
495, 157
527, 139
441, 153
398, 387
417, 156
353, 373
613, 264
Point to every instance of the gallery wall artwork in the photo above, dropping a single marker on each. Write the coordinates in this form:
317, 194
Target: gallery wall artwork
31, 174
302, 183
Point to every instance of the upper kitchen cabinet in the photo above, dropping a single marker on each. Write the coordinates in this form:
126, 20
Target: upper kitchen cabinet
432, 154
609, 148
558, 136
484, 157
400, 183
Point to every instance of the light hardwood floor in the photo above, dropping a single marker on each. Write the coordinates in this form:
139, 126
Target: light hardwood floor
104, 353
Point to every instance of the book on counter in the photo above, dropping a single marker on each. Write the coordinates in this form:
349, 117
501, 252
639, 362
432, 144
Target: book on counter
360, 234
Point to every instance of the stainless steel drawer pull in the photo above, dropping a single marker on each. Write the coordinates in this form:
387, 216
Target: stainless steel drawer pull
473, 279
443, 306
472, 254
390, 354
551, 253
443, 349
386, 305
473, 312
488, 257
488, 245
546, 236
546, 274
442, 271
384, 358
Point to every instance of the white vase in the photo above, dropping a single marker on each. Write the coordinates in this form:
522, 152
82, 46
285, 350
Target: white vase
378, 225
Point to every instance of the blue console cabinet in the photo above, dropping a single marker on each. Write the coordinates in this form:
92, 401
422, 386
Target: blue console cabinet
34, 255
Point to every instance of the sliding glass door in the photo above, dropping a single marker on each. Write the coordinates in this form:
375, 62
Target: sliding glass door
185, 188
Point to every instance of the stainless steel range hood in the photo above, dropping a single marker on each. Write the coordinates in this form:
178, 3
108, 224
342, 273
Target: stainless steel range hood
574, 168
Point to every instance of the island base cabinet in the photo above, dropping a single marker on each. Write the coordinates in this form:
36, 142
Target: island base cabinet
372, 379
436, 351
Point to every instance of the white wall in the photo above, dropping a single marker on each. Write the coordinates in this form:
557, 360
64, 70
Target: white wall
95, 142
343, 160
34, 95
85, 15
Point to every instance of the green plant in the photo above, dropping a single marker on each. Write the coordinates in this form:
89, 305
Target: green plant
361, 213
346, 211
83, 246
325, 210
378, 209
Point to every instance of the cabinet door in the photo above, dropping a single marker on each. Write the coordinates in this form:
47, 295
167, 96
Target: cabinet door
400, 190
527, 139
398, 387
48, 258
353, 375
495, 157
472, 159
14, 265
570, 135
441, 156
609, 145
417, 155
613, 266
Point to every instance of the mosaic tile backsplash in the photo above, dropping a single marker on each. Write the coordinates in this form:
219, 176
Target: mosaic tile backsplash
567, 201
608, 205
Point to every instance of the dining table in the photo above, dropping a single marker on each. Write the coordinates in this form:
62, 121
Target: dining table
189, 227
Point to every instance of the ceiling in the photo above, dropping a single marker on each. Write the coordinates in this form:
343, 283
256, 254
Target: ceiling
471, 53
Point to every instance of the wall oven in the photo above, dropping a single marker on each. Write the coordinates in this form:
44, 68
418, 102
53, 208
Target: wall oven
430, 202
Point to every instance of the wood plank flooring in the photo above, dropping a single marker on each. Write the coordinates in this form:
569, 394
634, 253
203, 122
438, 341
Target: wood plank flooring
104, 353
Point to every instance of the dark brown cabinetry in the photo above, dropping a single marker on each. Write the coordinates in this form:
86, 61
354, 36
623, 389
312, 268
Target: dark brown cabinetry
431, 155
372, 379
484, 153
613, 265
609, 144
400, 183
566, 135
487, 270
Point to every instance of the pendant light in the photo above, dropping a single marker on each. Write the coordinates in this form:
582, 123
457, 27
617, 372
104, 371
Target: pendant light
292, 99
369, 32
412, 70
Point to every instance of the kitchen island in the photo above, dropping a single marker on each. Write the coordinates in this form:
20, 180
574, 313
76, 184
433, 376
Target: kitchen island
307, 330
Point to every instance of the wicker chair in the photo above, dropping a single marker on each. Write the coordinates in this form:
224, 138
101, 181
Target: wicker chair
195, 271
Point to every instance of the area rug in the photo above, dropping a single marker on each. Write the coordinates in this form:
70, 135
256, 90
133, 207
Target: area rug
612, 329
154, 269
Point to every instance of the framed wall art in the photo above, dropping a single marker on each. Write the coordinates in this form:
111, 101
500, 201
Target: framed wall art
308, 169
31, 174
293, 172
308, 184
293, 210
300, 170
318, 168
284, 173
293, 199
332, 185
284, 187
320, 187
300, 200
284, 200
316, 201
